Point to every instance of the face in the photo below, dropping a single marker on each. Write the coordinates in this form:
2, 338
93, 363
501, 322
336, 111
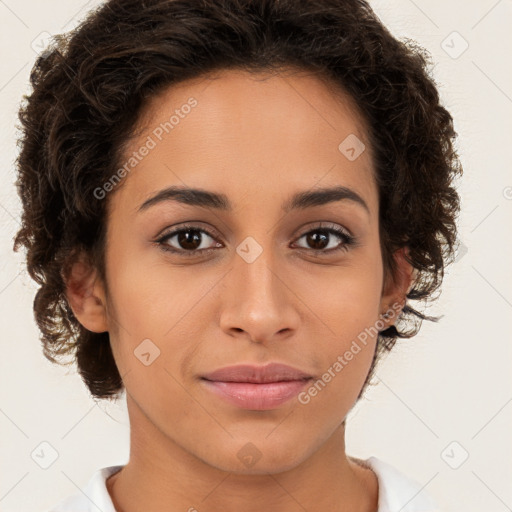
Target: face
252, 277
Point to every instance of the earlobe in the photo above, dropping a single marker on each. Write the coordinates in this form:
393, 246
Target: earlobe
395, 291
86, 296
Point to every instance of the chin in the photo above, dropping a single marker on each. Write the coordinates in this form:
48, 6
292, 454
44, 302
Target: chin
257, 458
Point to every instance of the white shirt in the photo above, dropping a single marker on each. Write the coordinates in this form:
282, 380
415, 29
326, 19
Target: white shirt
397, 493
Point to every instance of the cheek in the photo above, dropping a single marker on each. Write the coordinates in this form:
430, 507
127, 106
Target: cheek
150, 293
346, 310
332, 395
346, 300
347, 347
158, 311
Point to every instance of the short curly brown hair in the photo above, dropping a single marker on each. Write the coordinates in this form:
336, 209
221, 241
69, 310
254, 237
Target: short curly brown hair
91, 85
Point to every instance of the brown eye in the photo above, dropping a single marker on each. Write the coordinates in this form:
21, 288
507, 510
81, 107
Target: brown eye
188, 241
194, 241
324, 239
318, 240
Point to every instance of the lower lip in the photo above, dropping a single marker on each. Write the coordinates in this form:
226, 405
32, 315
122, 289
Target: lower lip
258, 397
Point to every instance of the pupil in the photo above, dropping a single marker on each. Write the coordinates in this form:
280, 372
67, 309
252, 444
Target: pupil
313, 239
188, 240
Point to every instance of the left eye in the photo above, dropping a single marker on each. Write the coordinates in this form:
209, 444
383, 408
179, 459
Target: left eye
322, 237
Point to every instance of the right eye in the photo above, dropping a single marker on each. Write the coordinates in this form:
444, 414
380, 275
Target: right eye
190, 241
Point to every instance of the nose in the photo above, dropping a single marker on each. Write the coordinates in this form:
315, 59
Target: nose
259, 302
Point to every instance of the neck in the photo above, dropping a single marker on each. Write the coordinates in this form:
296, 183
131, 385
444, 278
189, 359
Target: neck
162, 475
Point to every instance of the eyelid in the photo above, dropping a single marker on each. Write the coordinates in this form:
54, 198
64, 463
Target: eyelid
192, 225
348, 240
326, 225
196, 225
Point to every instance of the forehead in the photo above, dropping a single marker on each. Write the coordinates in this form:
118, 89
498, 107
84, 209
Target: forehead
237, 132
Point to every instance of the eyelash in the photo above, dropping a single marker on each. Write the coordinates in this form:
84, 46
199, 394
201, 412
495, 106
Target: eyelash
348, 240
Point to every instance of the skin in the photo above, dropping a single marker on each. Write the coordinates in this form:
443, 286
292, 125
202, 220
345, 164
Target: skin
259, 139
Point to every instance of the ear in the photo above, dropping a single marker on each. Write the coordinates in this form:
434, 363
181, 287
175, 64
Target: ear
86, 295
396, 287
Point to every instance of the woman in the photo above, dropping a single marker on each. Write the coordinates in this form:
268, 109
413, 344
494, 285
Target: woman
227, 206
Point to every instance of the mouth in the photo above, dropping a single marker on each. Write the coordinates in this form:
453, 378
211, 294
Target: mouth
256, 388
272, 372
258, 397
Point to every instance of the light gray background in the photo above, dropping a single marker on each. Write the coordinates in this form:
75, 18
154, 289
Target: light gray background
449, 384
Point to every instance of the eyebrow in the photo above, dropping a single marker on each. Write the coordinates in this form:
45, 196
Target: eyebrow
218, 201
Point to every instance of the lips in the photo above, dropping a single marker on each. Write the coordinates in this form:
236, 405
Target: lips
272, 372
256, 388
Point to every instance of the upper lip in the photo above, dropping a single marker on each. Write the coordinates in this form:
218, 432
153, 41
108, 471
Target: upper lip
272, 372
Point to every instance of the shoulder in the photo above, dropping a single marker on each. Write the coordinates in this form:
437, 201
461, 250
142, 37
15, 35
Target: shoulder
93, 497
398, 492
